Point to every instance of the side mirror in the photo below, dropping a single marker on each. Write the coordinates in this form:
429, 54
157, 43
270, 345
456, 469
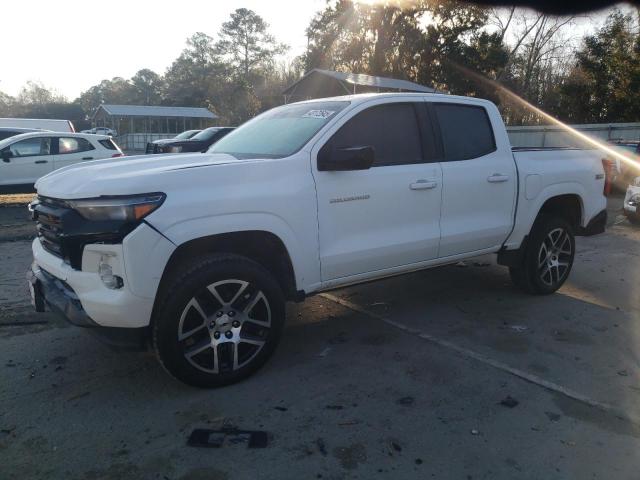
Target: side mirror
331, 159
6, 155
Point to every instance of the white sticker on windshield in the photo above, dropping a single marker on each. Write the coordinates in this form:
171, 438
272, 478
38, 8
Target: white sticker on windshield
318, 114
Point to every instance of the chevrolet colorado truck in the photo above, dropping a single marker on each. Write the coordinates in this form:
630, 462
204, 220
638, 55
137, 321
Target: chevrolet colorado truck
197, 254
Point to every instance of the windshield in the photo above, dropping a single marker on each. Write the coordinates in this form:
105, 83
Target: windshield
206, 134
279, 132
185, 135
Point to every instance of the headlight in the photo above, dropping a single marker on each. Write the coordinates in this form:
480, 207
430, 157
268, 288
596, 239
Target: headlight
634, 201
127, 209
177, 149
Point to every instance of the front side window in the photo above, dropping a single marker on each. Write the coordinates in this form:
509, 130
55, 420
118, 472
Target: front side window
466, 131
31, 147
279, 132
68, 145
392, 130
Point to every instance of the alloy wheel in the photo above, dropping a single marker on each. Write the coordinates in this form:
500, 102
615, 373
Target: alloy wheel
554, 257
224, 326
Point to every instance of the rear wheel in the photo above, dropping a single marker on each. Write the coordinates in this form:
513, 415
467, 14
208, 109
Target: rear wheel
221, 321
548, 257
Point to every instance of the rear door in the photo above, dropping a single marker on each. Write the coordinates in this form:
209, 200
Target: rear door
387, 216
30, 159
479, 180
70, 150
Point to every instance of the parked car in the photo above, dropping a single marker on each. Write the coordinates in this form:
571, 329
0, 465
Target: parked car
199, 252
632, 202
28, 156
152, 147
39, 124
622, 173
6, 132
102, 131
200, 142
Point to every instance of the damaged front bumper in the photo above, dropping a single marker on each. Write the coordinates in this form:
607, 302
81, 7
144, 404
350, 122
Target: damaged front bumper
52, 293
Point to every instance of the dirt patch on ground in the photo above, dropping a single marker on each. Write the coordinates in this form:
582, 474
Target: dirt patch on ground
16, 199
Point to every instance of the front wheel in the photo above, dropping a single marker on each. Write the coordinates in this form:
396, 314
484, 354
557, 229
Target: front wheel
220, 322
548, 258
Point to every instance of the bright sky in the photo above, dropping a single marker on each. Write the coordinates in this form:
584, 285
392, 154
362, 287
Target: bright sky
73, 44
70, 46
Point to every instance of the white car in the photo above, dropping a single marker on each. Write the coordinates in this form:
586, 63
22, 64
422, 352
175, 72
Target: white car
102, 131
26, 157
632, 202
197, 253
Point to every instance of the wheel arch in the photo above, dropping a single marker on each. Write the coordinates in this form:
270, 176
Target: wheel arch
568, 206
263, 247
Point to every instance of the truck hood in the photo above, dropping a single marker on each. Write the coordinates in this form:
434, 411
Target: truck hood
124, 175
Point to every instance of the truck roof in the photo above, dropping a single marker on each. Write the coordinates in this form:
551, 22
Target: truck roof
362, 97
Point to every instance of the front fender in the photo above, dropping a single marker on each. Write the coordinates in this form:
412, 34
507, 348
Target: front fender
304, 257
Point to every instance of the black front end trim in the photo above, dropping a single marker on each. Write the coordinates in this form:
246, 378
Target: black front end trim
63, 301
63, 232
596, 225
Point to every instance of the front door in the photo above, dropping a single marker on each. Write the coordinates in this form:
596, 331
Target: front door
387, 216
28, 160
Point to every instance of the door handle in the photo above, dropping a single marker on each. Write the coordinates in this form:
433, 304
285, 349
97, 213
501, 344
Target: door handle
423, 185
497, 178
42, 161
87, 158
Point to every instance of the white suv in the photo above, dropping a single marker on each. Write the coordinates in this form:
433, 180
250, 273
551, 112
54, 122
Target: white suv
27, 157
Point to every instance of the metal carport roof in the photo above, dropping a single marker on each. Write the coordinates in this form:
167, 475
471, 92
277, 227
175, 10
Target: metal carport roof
356, 79
154, 111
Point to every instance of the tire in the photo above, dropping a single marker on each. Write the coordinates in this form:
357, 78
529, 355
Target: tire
548, 258
220, 322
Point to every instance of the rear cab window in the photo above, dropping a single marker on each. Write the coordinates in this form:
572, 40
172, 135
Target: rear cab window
465, 130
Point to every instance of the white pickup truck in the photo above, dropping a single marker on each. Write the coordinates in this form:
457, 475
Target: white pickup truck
199, 253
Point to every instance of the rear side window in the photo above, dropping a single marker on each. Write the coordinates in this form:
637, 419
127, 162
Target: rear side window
466, 131
392, 130
74, 145
108, 144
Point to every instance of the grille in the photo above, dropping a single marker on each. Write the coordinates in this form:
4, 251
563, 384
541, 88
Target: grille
49, 224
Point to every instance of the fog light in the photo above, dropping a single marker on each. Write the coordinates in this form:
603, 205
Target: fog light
108, 278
